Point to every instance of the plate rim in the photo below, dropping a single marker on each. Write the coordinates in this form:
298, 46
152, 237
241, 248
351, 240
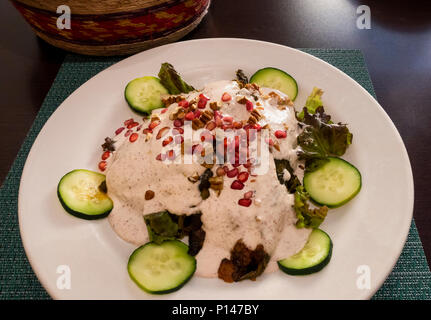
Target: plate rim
409, 172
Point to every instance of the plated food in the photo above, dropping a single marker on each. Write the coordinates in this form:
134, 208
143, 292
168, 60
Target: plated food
234, 168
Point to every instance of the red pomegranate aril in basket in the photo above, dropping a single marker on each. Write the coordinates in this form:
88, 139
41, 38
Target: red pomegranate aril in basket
202, 101
269, 141
248, 195
226, 97
249, 105
177, 131
189, 116
178, 123
171, 154
139, 128
133, 137
132, 125
160, 157
280, 134
119, 130
228, 119
162, 132
106, 155
237, 185
197, 113
164, 110
154, 124
183, 104
102, 165
128, 132
232, 173
167, 141
129, 121
244, 202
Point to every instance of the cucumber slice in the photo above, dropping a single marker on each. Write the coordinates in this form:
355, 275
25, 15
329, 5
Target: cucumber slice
276, 79
315, 255
144, 94
80, 195
161, 268
334, 183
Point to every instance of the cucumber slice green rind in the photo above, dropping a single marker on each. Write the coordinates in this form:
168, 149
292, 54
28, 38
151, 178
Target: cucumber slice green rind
160, 269
276, 79
315, 255
333, 193
84, 208
144, 94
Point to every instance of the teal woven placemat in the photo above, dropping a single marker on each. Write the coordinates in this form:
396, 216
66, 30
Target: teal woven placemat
410, 279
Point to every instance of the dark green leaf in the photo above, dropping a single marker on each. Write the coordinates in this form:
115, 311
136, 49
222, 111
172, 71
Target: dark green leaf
293, 182
172, 81
321, 138
307, 217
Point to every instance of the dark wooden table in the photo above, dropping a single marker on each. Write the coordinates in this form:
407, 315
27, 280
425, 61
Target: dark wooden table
397, 50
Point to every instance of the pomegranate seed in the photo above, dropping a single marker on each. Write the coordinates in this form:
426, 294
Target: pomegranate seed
228, 119
249, 105
162, 132
128, 132
269, 141
189, 116
139, 128
202, 101
183, 104
129, 121
237, 185
177, 131
220, 171
232, 173
226, 97
171, 154
248, 195
133, 137
164, 110
102, 165
154, 124
236, 164
131, 125
243, 176
147, 130
179, 139
167, 141
119, 130
257, 126
280, 134
211, 125
178, 123
197, 114
225, 168
244, 202
106, 155
160, 157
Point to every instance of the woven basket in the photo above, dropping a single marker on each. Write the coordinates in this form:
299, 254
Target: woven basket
113, 27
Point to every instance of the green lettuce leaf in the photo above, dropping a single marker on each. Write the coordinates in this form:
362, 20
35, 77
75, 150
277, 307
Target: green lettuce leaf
307, 217
314, 101
161, 227
172, 81
293, 182
321, 138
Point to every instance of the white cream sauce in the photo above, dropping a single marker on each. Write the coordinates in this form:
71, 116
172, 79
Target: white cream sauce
269, 220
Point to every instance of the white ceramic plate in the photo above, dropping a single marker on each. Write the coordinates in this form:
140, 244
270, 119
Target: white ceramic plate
369, 231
